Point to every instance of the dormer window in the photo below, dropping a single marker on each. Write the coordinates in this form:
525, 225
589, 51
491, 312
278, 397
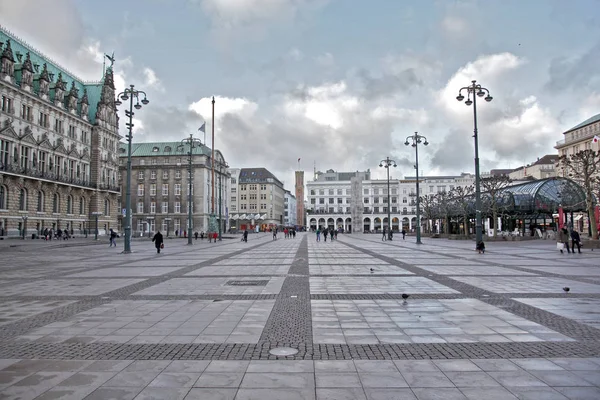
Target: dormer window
155, 149
168, 149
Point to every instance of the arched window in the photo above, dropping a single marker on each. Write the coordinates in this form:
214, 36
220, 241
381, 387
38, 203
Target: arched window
56, 203
3, 197
70, 204
23, 200
81, 206
107, 207
40, 202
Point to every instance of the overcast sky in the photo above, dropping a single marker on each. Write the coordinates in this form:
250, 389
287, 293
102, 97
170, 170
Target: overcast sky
337, 82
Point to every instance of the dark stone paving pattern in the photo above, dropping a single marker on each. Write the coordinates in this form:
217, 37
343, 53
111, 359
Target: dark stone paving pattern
416, 351
290, 320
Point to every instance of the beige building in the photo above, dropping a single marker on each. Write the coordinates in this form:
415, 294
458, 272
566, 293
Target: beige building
257, 199
579, 138
543, 168
160, 188
58, 145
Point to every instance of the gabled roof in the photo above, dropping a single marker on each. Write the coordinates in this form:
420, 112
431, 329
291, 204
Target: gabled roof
588, 121
257, 175
547, 159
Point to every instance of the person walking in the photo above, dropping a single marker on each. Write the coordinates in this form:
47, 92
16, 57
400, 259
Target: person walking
331, 234
563, 240
196, 235
245, 238
158, 241
318, 234
403, 233
325, 233
575, 240
113, 237
384, 237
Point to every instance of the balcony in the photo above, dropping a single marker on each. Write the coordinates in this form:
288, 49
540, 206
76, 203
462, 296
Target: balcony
52, 176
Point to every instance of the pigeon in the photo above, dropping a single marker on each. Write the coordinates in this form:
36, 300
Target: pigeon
372, 270
405, 296
566, 289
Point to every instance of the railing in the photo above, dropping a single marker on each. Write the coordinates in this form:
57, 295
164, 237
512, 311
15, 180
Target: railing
53, 176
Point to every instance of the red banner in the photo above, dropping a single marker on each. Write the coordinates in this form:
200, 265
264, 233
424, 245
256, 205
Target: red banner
561, 217
597, 216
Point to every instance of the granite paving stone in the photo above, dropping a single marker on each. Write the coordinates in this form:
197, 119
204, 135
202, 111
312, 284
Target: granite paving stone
201, 321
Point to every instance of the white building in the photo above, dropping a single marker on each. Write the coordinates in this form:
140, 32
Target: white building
338, 199
289, 209
543, 168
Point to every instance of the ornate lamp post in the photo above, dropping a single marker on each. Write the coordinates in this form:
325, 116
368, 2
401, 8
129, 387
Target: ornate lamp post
476, 90
416, 140
129, 94
387, 163
192, 143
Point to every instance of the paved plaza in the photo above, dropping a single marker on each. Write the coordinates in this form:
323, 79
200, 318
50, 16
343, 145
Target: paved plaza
80, 320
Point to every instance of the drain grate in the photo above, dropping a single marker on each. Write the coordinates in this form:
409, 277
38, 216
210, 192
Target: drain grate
247, 283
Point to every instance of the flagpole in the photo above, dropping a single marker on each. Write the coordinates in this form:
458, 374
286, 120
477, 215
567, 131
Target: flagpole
212, 163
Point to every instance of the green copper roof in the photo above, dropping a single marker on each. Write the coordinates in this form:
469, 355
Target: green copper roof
162, 149
588, 121
18, 45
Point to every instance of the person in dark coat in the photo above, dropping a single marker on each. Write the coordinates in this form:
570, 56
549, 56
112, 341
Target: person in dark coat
575, 241
158, 241
245, 238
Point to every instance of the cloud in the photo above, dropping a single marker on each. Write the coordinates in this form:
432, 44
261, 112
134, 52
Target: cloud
454, 25
152, 80
325, 60
454, 152
575, 73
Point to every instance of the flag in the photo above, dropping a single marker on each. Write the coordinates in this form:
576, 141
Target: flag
203, 127
298, 160
596, 139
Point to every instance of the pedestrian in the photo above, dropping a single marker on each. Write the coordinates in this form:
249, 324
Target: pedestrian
318, 234
202, 235
331, 234
575, 240
391, 234
563, 240
245, 238
384, 237
113, 237
480, 247
158, 241
196, 235
336, 232
403, 233
325, 233
274, 234
215, 235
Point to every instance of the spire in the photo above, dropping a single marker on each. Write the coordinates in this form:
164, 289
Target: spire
84, 98
7, 53
27, 64
44, 75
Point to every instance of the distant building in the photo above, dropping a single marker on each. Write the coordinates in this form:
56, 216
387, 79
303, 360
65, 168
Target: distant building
160, 187
543, 168
289, 209
259, 200
579, 138
58, 145
351, 200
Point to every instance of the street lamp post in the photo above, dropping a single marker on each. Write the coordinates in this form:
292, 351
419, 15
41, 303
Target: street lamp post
416, 140
387, 163
476, 90
96, 214
192, 143
129, 94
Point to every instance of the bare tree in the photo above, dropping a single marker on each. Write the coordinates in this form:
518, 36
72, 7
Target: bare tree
583, 167
428, 204
493, 187
443, 200
462, 197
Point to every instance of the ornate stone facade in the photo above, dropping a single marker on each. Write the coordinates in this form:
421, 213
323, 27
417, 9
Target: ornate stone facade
58, 145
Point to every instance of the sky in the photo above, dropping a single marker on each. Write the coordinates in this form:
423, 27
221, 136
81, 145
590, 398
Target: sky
339, 84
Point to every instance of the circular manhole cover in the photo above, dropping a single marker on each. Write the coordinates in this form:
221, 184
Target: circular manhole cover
283, 351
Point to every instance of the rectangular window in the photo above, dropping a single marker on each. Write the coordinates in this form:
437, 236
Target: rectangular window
165, 174
142, 162
58, 126
26, 112
140, 207
153, 189
312, 201
339, 192
7, 104
376, 200
178, 174
366, 191
152, 174
375, 191
43, 121
178, 189
233, 181
321, 201
72, 132
394, 200
140, 191
177, 207
233, 190
24, 157
376, 209
165, 207
165, 189
154, 161
152, 207
340, 201
263, 206
331, 199
166, 161
366, 200
140, 174
263, 187
233, 198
